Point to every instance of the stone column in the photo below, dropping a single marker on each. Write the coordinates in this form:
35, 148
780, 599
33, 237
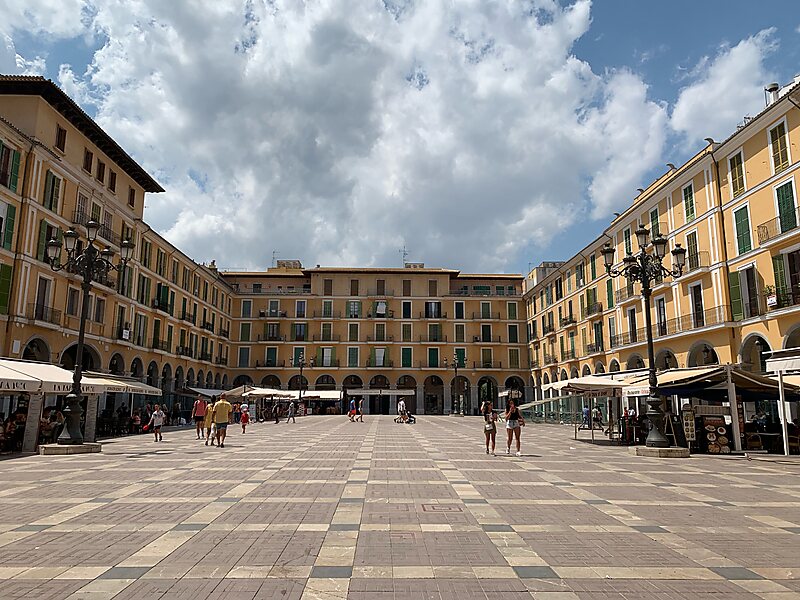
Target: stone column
448, 399
420, 399
392, 400
473, 400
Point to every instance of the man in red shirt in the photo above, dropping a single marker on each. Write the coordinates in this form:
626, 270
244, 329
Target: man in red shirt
199, 414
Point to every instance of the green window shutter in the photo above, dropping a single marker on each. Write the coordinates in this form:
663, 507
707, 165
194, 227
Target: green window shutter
319, 357
737, 309
358, 305
406, 357
780, 275
11, 213
786, 211
5, 288
48, 188
14, 178
333, 355
610, 292
742, 221
593, 267
40, 250
461, 356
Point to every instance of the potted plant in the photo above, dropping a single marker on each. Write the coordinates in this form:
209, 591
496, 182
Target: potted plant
772, 296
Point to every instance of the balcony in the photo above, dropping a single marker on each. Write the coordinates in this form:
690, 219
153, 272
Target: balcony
185, 351
432, 315
487, 364
624, 294
778, 226
380, 338
486, 316
696, 261
568, 355
388, 314
187, 316
596, 308
487, 339
123, 333
48, 314
276, 364
105, 232
225, 333
208, 326
206, 356
433, 339
327, 314
786, 300
158, 305
326, 338
550, 359
754, 307
272, 314
534, 364
548, 329
162, 345
704, 318
380, 293
484, 293
594, 348
374, 363
567, 321
221, 360
271, 337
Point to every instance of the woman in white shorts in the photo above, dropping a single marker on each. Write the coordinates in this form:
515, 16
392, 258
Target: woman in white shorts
514, 424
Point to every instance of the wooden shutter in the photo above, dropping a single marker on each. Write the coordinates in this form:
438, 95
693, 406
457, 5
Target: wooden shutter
40, 250
610, 292
780, 275
14, 178
5, 288
742, 231
8, 234
786, 212
319, 356
737, 309
48, 189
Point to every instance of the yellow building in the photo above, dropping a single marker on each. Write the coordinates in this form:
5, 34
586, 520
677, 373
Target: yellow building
174, 323
733, 207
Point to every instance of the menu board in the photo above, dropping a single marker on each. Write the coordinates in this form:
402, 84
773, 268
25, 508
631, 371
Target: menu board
688, 425
32, 423
715, 436
92, 403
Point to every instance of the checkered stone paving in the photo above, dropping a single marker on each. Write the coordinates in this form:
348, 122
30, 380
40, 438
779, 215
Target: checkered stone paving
326, 509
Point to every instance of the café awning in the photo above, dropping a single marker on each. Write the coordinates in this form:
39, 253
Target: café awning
259, 392
207, 392
124, 386
383, 392
15, 381
52, 378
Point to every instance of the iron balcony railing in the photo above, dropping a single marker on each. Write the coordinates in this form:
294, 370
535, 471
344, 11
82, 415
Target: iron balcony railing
278, 364
433, 315
623, 294
387, 314
271, 337
567, 355
374, 363
187, 316
594, 348
326, 338
534, 364
208, 326
567, 321
785, 300
433, 338
778, 226
694, 319
380, 338
225, 333
327, 314
380, 293
205, 356
697, 260
41, 312
487, 364
221, 360
162, 345
272, 314
548, 329
595, 308
550, 359
486, 316
185, 351
165, 307
82, 218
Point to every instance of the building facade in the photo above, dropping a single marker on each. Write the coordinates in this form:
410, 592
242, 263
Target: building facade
174, 323
733, 207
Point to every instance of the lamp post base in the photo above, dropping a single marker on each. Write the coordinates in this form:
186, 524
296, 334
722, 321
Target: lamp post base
655, 437
674, 452
71, 434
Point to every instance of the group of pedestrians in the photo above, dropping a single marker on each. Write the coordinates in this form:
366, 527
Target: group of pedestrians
212, 418
514, 424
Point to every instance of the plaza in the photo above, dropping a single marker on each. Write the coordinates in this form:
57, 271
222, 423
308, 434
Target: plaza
326, 509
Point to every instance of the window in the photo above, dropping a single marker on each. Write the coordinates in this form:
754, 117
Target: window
354, 309
52, 191
352, 332
569, 281
380, 287
61, 138
513, 358
460, 332
612, 330
655, 228
741, 220
692, 253
406, 331
486, 358
459, 309
579, 277
271, 357
88, 160
593, 267
112, 181
9, 167
161, 262
406, 287
244, 357
461, 357
696, 300
500, 290
737, 174
247, 308
778, 148
143, 290
298, 355
406, 357
299, 331
406, 309
433, 358
174, 277
688, 202
73, 297
144, 254
352, 357
513, 334
486, 310
327, 287
626, 236
272, 331
433, 288
609, 292
300, 309
433, 310
380, 332
511, 311
131, 197
101, 171
434, 333
354, 287
787, 213
327, 332
486, 333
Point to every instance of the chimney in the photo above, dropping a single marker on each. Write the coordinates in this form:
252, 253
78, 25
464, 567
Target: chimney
772, 93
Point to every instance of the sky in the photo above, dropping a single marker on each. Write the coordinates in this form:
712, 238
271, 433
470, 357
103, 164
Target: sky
480, 135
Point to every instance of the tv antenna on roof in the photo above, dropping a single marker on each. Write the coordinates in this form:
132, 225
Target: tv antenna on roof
404, 253
274, 256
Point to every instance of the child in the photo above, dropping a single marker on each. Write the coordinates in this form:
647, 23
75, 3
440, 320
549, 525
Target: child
208, 422
244, 417
156, 421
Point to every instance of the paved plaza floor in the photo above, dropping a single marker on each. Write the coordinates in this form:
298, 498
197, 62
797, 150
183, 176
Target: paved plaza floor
329, 509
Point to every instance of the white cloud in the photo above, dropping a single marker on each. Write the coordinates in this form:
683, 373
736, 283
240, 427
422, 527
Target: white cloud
725, 88
338, 131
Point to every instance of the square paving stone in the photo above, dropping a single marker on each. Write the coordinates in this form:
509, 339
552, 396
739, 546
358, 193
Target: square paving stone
598, 501
226, 499
343, 527
331, 572
351, 500
189, 527
649, 529
101, 500
497, 528
475, 501
736, 573
792, 529
32, 528
535, 573
124, 573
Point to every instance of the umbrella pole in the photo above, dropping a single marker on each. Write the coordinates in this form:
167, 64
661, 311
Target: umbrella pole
782, 413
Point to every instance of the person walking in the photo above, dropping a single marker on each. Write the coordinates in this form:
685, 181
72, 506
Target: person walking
208, 423
292, 410
514, 424
222, 414
360, 410
199, 410
244, 417
352, 410
276, 412
401, 409
489, 425
156, 421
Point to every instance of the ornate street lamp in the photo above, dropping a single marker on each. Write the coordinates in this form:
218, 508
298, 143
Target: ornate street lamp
644, 268
91, 264
302, 364
458, 409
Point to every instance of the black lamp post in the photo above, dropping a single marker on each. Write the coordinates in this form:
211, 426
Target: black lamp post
458, 409
643, 268
90, 264
302, 364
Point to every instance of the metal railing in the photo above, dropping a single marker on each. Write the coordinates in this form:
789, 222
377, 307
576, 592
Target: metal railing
487, 339
785, 300
326, 338
487, 364
380, 338
623, 294
550, 359
185, 351
263, 337
778, 226
594, 348
595, 308
327, 314
205, 356
388, 314
82, 218
567, 321
432, 338
48, 314
162, 345
380, 293
208, 326
187, 316
272, 314
534, 364
433, 315
567, 355
278, 364
158, 305
225, 333
375, 363
548, 329
486, 316
221, 360
697, 260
